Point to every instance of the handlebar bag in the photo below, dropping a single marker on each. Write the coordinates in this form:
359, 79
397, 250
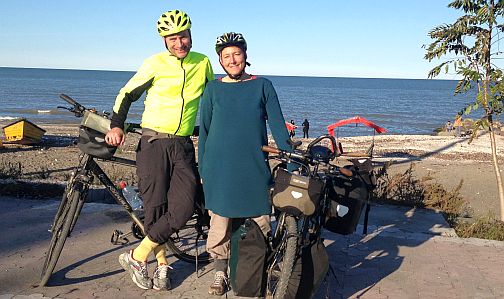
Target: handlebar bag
348, 196
93, 143
295, 194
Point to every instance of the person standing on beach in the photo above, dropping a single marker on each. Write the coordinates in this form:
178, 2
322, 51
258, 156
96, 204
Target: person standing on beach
449, 126
292, 132
234, 171
458, 125
306, 128
174, 80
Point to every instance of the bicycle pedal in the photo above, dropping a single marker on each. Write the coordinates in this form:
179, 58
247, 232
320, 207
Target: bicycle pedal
118, 238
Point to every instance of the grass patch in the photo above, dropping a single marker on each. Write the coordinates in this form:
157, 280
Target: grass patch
406, 189
485, 227
10, 170
30, 189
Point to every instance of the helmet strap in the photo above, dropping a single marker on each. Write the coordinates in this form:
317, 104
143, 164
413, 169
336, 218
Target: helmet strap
234, 77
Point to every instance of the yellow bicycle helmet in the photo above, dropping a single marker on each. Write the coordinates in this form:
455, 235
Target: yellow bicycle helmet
172, 22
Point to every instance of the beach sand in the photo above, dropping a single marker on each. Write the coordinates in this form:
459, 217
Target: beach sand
445, 158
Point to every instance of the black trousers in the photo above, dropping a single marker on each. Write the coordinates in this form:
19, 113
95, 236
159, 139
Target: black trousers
168, 184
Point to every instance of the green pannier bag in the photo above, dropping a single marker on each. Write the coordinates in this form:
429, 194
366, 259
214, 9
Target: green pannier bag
295, 194
310, 269
247, 264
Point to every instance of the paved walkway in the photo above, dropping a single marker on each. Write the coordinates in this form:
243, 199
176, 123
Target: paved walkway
407, 254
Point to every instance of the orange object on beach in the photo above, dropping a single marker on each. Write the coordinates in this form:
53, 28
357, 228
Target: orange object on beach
458, 122
290, 126
355, 120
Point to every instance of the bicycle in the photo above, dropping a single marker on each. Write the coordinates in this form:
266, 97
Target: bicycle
187, 244
295, 228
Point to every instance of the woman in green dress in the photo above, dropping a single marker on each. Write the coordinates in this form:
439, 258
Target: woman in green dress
235, 172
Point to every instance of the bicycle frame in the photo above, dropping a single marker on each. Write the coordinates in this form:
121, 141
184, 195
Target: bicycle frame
84, 175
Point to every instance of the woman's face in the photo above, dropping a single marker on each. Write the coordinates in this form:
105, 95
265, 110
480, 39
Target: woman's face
232, 60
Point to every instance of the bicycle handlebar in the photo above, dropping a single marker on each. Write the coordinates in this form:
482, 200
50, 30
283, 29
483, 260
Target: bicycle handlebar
274, 150
319, 139
80, 110
303, 156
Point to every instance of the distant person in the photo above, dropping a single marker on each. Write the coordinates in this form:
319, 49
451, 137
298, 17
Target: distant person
458, 125
292, 132
449, 126
233, 168
166, 167
306, 128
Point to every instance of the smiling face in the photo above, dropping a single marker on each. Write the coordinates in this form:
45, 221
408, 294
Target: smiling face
233, 60
179, 44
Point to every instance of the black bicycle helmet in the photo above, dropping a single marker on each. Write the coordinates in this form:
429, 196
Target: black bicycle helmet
230, 39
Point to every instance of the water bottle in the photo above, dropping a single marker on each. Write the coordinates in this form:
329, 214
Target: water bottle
131, 195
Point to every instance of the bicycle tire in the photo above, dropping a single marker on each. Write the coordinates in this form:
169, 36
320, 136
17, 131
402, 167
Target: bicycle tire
62, 227
64, 199
185, 245
281, 265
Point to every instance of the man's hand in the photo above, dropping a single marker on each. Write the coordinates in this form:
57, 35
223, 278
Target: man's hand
115, 137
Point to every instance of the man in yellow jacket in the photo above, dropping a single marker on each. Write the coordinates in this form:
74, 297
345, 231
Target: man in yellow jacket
174, 80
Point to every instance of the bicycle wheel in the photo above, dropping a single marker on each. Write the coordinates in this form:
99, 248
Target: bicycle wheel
63, 224
280, 265
189, 242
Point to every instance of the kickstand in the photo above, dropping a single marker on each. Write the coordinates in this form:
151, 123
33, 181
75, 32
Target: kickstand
120, 238
328, 294
197, 257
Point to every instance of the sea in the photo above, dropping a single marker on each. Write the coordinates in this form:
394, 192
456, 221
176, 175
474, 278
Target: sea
401, 106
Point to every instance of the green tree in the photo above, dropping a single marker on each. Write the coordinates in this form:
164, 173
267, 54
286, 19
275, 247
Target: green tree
468, 45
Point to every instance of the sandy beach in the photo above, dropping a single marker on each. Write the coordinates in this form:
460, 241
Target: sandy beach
445, 158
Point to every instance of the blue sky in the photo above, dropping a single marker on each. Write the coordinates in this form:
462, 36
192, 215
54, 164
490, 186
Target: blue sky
335, 38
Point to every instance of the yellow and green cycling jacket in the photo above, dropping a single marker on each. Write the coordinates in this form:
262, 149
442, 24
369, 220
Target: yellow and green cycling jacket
173, 87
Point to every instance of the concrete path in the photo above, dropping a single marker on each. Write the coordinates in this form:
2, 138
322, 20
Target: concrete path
407, 254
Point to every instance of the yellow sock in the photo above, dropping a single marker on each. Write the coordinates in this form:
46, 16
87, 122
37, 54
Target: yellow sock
160, 253
141, 253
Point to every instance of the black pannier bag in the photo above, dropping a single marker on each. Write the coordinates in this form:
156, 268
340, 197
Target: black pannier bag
296, 194
247, 264
310, 269
348, 196
93, 143
92, 136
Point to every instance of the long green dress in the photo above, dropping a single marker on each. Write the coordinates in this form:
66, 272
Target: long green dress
235, 172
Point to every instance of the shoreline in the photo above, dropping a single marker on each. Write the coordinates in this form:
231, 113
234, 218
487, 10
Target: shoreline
446, 159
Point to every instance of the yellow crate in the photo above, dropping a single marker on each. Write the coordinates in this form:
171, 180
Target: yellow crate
23, 131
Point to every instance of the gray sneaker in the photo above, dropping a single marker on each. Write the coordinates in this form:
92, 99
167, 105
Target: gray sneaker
136, 269
220, 284
161, 279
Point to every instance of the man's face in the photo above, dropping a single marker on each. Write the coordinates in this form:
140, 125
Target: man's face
179, 44
233, 60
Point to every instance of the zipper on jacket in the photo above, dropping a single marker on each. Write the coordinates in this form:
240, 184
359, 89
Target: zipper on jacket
181, 95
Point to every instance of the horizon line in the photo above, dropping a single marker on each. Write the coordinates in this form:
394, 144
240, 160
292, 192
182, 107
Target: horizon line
273, 75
